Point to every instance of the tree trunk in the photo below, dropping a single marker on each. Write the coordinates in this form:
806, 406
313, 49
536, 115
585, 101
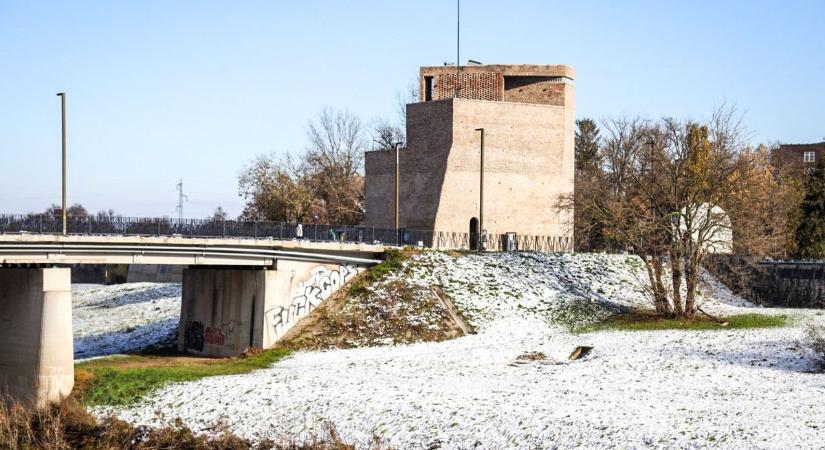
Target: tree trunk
676, 280
658, 271
691, 280
654, 272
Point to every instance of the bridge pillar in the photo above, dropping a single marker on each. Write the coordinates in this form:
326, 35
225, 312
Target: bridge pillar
226, 310
36, 348
219, 308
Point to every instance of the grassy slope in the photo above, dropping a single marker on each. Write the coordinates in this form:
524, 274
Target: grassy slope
393, 261
124, 380
649, 322
373, 310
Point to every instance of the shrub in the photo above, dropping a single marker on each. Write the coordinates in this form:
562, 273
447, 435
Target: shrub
815, 343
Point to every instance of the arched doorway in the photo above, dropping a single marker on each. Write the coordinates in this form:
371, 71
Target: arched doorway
474, 233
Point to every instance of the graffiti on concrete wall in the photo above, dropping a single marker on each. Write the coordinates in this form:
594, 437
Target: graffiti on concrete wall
197, 335
213, 335
321, 283
193, 339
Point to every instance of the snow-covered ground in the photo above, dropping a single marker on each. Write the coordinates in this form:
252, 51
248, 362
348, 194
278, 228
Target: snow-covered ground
662, 389
123, 318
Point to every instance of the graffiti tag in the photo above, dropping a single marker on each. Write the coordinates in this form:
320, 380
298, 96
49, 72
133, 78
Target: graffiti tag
213, 335
321, 283
193, 339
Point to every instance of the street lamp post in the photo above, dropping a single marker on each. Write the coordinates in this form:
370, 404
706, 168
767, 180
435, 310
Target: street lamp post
481, 195
62, 96
397, 185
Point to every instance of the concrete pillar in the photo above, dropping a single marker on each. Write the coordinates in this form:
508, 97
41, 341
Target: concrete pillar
221, 310
36, 347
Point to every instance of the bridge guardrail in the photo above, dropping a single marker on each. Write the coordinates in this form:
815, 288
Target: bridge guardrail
210, 228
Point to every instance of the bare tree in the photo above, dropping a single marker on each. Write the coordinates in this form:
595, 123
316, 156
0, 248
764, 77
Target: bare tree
663, 195
386, 135
219, 215
333, 165
107, 215
410, 94
76, 211
324, 184
274, 190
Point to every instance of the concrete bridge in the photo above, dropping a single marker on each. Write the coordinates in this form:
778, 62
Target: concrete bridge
237, 293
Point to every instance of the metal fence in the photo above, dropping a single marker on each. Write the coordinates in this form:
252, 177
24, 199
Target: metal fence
210, 228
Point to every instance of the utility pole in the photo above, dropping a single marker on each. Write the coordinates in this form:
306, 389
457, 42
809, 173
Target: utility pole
397, 185
181, 198
62, 96
481, 195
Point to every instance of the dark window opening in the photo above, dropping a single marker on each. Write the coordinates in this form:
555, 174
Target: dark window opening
428, 89
474, 233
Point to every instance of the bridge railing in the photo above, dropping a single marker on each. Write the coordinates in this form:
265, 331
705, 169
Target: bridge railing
210, 228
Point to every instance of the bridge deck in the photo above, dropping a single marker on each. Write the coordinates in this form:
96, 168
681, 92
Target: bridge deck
58, 249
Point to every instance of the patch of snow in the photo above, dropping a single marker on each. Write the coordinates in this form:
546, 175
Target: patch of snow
123, 318
662, 389
77, 287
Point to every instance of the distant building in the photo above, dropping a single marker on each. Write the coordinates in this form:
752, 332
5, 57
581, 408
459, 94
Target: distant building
527, 113
803, 155
713, 224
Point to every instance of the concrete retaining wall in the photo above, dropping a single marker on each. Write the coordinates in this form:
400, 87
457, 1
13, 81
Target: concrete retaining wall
794, 284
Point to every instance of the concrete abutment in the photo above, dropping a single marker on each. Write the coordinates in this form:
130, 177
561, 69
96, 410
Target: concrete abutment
226, 310
36, 347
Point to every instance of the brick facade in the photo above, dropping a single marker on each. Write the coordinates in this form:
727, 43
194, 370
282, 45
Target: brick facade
529, 141
795, 154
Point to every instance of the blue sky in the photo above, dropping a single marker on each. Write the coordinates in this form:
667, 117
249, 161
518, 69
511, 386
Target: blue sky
159, 91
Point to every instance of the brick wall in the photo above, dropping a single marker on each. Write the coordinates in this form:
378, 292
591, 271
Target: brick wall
525, 83
528, 166
478, 86
542, 90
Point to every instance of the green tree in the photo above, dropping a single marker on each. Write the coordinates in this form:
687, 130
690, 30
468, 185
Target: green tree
587, 145
588, 231
810, 234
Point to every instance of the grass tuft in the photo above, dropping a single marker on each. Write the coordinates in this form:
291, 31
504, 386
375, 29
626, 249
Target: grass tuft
125, 380
641, 321
394, 261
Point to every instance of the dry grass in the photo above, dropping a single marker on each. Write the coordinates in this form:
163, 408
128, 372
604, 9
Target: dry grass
394, 314
376, 311
68, 426
815, 342
531, 356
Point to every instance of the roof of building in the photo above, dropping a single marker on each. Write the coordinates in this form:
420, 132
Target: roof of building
512, 70
816, 146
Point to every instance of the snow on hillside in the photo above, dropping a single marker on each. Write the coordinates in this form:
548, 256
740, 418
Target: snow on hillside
562, 289
123, 318
665, 389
